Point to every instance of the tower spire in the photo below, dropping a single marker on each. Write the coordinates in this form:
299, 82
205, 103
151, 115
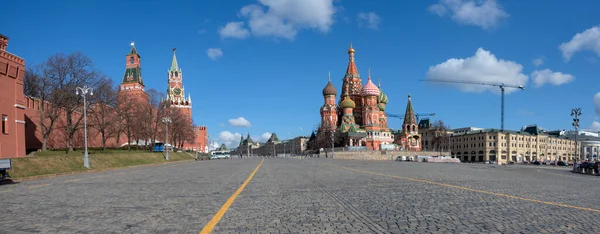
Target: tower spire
409, 116
174, 66
351, 71
329, 76
133, 50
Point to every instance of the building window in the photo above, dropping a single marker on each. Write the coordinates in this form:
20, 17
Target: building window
4, 120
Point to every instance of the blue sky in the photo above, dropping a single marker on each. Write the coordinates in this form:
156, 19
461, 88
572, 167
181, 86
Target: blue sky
271, 58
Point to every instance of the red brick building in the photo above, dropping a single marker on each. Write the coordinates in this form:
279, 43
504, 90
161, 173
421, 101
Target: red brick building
360, 116
175, 95
21, 131
12, 103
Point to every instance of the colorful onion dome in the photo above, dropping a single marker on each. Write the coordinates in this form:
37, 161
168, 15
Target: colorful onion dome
329, 89
347, 103
382, 97
370, 89
350, 50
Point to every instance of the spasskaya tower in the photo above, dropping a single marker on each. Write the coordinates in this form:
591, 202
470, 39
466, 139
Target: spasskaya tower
176, 92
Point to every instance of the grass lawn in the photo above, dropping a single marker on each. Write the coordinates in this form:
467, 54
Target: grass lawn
51, 162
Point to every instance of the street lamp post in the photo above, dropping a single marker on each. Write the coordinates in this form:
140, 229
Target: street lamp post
332, 143
166, 120
576, 112
83, 91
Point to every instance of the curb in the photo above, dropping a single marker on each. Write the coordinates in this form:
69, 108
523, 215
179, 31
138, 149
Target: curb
90, 171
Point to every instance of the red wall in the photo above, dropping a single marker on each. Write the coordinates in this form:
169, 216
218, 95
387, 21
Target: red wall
59, 136
12, 70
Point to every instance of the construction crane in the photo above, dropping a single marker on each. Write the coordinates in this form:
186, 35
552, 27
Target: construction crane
416, 115
502, 86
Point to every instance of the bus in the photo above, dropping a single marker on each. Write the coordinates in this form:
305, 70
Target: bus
220, 154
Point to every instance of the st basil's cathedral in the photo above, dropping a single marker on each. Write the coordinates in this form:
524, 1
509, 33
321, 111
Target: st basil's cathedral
360, 119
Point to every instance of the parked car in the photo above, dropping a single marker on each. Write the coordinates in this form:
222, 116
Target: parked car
536, 163
561, 163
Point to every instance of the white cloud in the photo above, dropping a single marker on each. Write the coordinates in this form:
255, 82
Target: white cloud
239, 122
538, 61
283, 18
214, 53
263, 137
369, 20
486, 14
483, 66
213, 146
595, 126
587, 40
234, 30
597, 103
230, 139
546, 76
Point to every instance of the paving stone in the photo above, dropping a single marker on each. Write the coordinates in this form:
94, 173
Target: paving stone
305, 196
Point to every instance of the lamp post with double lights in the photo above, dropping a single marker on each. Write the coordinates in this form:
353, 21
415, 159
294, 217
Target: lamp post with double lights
166, 120
83, 91
576, 112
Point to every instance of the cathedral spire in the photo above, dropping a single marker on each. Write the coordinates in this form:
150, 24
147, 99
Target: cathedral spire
351, 71
409, 116
174, 66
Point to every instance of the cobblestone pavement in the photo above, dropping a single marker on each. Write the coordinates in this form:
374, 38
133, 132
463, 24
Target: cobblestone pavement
308, 196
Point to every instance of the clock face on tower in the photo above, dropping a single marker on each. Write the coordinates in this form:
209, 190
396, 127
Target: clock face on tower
177, 91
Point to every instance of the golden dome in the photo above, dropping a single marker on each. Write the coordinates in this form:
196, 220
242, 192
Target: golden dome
347, 103
351, 50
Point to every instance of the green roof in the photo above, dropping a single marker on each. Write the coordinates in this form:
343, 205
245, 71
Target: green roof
135, 73
133, 50
174, 65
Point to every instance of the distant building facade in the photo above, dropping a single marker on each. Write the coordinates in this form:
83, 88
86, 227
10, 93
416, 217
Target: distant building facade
529, 144
273, 146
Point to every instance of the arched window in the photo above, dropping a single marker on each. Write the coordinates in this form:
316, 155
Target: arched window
131, 60
176, 73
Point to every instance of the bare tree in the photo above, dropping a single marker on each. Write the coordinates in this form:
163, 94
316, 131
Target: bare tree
38, 84
67, 72
440, 134
154, 110
125, 111
103, 110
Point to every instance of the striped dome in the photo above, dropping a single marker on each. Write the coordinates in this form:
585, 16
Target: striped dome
347, 103
382, 97
370, 89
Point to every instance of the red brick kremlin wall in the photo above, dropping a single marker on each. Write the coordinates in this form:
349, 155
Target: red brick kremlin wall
58, 138
12, 71
20, 131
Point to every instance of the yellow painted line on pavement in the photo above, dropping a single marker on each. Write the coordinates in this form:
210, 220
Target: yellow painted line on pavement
39, 185
73, 180
470, 189
213, 222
